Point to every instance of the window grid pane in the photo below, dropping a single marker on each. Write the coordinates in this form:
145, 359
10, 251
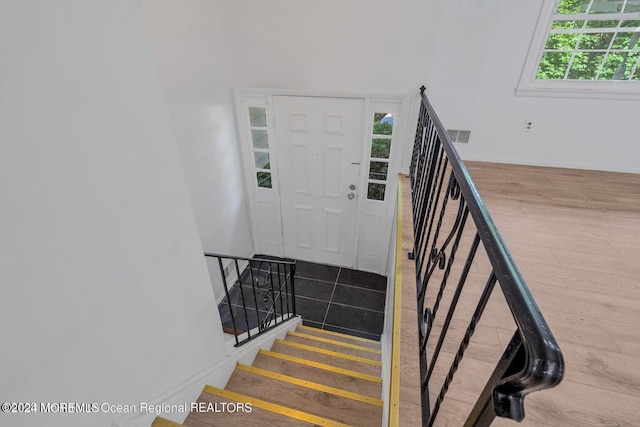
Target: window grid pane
260, 139
263, 179
383, 123
257, 117
380, 148
376, 191
595, 41
378, 170
636, 70
262, 160
585, 66
627, 67
602, 48
632, 6
606, 6
569, 7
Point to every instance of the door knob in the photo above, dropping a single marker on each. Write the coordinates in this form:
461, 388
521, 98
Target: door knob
350, 196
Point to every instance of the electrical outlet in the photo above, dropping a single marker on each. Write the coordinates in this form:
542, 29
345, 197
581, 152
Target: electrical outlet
528, 125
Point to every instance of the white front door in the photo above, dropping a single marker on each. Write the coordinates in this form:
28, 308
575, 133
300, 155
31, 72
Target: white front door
319, 150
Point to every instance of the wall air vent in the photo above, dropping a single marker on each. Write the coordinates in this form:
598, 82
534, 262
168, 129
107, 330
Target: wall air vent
459, 136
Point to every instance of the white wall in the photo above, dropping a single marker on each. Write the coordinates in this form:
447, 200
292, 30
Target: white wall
105, 295
189, 43
481, 50
333, 45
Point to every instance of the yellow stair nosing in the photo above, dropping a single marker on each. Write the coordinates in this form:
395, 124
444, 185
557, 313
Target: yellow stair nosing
329, 352
338, 334
309, 384
323, 366
163, 422
273, 407
334, 342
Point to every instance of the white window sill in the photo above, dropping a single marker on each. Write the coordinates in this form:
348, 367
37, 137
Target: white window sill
623, 90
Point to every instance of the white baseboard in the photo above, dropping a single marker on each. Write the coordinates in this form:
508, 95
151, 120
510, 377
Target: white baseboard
183, 394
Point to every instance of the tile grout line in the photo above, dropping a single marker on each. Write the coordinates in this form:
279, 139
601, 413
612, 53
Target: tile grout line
338, 303
314, 279
362, 287
339, 283
355, 330
358, 307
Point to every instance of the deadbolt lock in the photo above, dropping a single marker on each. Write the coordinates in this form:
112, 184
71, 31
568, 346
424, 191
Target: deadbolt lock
352, 187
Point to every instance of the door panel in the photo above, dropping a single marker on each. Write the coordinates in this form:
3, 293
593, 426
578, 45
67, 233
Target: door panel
304, 226
319, 144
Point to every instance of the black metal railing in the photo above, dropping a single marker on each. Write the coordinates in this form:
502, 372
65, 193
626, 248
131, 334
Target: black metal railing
259, 294
448, 247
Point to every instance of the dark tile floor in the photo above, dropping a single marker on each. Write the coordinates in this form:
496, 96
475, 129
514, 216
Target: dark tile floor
340, 299
327, 297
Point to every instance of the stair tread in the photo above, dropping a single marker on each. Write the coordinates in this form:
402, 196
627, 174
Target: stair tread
337, 336
319, 403
344, 348
352, 383
282, 347
258, 417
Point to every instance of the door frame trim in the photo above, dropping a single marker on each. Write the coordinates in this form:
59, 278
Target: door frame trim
267, 94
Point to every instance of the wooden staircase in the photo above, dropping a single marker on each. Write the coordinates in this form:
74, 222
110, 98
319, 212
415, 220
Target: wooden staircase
312, 377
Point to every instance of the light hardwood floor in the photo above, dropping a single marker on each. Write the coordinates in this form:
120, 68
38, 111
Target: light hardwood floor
576, 237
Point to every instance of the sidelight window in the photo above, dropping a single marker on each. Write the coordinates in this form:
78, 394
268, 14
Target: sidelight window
382, 137
260, 146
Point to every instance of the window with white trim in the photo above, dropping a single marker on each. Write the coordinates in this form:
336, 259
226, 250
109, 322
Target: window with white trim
586, 44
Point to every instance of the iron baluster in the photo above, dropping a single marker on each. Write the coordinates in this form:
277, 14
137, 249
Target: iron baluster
533, 360
484, 299
438, 256
226, 292
434, 206
443, 283
453, 305
244, 304
292, 272
273, 293
270, 319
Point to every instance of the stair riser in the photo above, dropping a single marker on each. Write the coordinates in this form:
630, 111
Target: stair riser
336, 336
339, 362
332, 347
